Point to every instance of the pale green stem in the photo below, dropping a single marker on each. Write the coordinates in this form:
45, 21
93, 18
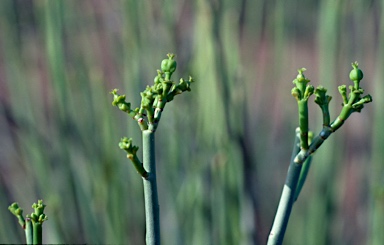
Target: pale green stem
28, 231
152, 213
287, 199
285, 205
303, 176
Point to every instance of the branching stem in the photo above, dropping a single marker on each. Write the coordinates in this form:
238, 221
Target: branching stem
297, 173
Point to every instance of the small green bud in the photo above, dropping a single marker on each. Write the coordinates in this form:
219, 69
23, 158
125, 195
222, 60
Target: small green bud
15, 209
343, 92
42, 218
184, 85
39, 207
356, 74
308, 91
300, 77
117, 98
127, 145
300, 81
360, 104
159, 77
296, 93
169, 65
147, 97
119, 101
321, 96
124, 107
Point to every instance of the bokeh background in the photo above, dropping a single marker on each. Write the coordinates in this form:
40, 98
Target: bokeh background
222, 150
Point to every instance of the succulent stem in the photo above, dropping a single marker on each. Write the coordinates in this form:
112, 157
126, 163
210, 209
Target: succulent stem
152, 212
302, 157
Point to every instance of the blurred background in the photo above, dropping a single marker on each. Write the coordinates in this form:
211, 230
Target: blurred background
222, 150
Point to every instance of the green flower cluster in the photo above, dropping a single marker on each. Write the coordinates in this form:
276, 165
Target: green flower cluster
33, 222
352, 102
38, 216
155, 97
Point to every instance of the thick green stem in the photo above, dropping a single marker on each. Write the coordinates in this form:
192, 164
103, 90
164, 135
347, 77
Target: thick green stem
152, 213
37, 233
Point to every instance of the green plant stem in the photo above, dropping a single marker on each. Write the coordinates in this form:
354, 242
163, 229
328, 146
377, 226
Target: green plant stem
306, 164
28, 231
303, 122
37, 233
296, 144
316, 143
138, 165
303, 176
152, 214
284, 209
296, 177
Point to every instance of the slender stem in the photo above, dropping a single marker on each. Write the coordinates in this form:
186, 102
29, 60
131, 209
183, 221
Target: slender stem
284, 209
152, 213
296, 144
138, 165
305, 168
303, 122
303, 176
28, 231
296, 177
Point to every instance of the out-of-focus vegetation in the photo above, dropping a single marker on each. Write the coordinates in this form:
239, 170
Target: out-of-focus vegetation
225, 147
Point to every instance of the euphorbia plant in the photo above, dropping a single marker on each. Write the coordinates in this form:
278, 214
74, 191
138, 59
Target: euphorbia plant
153, 100
302, 151
33, 223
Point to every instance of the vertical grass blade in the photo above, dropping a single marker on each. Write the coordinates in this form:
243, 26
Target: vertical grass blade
376, 208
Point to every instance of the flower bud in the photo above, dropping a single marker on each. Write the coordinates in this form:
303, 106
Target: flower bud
300, 81
168, 66
356, 74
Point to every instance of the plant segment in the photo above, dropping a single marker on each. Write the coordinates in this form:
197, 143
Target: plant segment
153, 100
301, 157
33, 223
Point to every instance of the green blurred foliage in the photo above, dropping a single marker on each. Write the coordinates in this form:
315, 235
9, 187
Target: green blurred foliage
223, 149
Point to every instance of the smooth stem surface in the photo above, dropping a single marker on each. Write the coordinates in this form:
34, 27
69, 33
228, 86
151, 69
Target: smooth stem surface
295, 180
37, 233
287, 198
28, 231
285, 205
152, 214
303, 122
303, 176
